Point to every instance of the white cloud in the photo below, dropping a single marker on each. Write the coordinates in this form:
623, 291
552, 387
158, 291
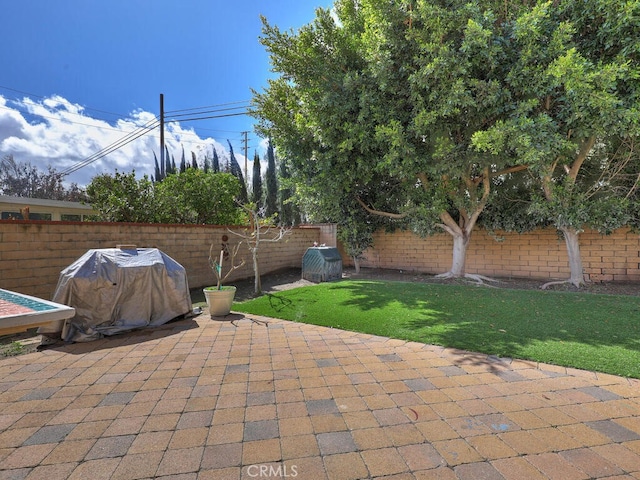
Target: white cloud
55, 132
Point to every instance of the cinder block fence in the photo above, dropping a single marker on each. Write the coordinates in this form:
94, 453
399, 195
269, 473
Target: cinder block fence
537, 255
32, 253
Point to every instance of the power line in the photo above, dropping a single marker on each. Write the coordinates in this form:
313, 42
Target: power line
208, 111
186, 115
210, 106
193, 119
149, 126
195, 114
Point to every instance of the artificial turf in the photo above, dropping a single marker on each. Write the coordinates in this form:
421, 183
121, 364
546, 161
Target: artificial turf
580, 330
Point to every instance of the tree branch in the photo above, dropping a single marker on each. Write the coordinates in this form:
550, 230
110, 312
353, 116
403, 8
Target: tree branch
397, 216
506, 171
449, 225
546, 181
423, 180
216, 265
486, 190
585, 148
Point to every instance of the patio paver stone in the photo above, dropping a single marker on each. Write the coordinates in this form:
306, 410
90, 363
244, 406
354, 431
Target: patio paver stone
205, 399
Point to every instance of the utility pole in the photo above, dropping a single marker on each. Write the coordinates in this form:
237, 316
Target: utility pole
246, 153
161, 133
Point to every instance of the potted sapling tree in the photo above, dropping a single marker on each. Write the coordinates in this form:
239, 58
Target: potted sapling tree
220, 297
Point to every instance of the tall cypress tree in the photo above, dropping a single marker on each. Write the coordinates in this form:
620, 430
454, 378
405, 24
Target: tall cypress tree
183, 162
194, 162
167, 161
236, 171
216, 162
158, 174
256, 193
271, 203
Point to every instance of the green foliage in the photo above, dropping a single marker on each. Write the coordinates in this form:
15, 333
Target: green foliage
388, 101
170, 166
355, 238
567, 211
12, 349
508, 209
215, 165
571, 115
256, 190
158, 173
183, 162
431, 109
199, 197
122, 198
194, 196
271, 201
288, 205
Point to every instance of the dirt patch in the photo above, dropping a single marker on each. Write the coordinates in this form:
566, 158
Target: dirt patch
19, 343
272, 282
28, 342
292, 278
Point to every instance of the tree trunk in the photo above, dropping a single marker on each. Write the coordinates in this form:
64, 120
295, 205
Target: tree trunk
572, 241
460, 243
356, 263
257, 283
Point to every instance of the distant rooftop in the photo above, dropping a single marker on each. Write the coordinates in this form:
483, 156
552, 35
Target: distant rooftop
44, 202
12, 208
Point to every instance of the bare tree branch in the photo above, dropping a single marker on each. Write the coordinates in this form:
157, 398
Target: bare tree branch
216, 264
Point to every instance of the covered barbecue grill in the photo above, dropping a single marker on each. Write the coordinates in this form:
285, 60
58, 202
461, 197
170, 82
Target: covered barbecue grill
118, 289
322, 264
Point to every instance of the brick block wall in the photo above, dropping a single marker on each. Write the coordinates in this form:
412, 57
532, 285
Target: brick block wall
538, 255
33, 253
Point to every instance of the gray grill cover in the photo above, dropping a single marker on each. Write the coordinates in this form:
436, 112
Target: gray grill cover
114, 290
322, 264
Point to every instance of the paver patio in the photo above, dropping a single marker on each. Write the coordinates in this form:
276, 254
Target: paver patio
219, 400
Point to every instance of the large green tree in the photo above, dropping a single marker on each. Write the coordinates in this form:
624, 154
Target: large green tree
378, 102
289, 209
572, 116
195, 197
199, 197
122, 198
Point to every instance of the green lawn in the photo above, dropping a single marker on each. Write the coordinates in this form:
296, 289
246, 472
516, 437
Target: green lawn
581, 330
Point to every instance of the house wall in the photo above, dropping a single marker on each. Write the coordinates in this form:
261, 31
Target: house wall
13, 208
33, 253
538, 255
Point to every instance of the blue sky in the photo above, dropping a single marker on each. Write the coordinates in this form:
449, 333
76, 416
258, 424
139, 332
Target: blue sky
77, 75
